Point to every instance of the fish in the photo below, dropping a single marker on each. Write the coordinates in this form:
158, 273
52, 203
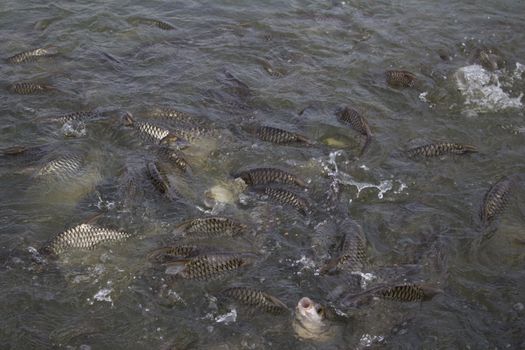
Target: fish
158, 178
74, 116
24, 154
81, 237
172, 114
497, 199
192, 133
151, 132
65, 166
33, 55
287, 198
156, 23
441, 148
352, 254
216, 226
278, 136
310, 321
255, 298
208, 266
170, 253
265, 176
400, 78
353, 118
173, 157
29, 88
412, 292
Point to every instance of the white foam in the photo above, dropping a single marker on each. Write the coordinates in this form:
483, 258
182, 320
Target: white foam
104, 295
368, 339
227, 318
482, 89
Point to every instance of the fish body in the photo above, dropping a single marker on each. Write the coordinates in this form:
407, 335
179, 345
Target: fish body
208, 266
439, 149
351, 257
157, 23
158, 179
67, 166
497, 198
23, 154
192, 133
402, 293
278, 136
82, 237
29, 88
173, 157
150, 132
32, 55
172, 114
400, 78
310, 321
215, 226
171, 253
286, 197
255, 298
265, 176
74, 116
353, 118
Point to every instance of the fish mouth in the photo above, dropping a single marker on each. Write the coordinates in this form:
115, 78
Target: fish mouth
305, 303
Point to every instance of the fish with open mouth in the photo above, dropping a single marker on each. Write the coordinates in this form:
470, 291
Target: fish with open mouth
311, 322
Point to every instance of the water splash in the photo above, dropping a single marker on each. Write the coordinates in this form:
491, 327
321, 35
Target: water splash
227, 318
483, 91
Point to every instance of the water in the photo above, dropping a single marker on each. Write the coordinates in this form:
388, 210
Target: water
291, 55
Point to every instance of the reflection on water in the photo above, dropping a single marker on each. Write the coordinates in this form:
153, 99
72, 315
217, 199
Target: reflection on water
233, 72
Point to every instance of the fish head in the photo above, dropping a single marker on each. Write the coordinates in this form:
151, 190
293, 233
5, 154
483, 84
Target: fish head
127, 119
172, 140
309, 312
430, 292
310, 321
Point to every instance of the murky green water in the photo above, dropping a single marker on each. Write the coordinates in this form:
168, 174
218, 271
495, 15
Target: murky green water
419, 218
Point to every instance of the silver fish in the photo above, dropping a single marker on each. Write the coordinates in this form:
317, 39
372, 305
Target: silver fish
256, 298
439, 149
33, 55
216, 226
151, 132
29, 88
82, 237
310, 321
497, 198
265, 176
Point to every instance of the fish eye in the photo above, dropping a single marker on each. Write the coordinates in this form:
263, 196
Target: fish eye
320, 310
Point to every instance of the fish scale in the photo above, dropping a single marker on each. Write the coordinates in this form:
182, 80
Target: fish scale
82, 237
66, 166
409, 292
74, 116
400, 78
32, 55
355, 120
264, 176
172, 114
497, 198
287, 198
439, 149
352, 257
170, 253
256, 298
174, 157
212, 226
191, 133
28, 88
203, 267
157, 178
279, 136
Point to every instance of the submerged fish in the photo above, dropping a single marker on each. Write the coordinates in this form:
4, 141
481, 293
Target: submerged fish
23, 154
400, 78
439, 149
66, 166
84, 236
310, 321
150, 132
74, 116
207, 266
28, 88
154, 22
172, 114
497, 198
33, 55
265, 176
256, 298
172, 253
192, 133
216, 226
158, 178
351, 255
174, 157
278, 136
287, 198
357, 122
402, 293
